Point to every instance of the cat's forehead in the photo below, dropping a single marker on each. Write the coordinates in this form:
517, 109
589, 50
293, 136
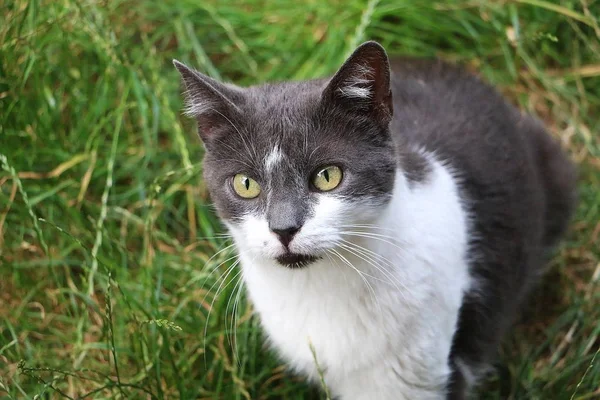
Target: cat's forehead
287, 125
285, 105
285, 96
283, 117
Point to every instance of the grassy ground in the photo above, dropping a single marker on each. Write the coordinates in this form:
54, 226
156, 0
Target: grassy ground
108, 240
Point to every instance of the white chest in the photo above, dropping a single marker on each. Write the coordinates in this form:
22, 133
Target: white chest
381, 316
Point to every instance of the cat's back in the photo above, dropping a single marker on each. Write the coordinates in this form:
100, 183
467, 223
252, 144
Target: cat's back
444, 108
512, 171
518, 188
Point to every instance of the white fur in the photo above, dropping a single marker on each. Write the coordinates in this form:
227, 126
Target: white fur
353, 86
274, 158
198, 103
198, 106
383, 339
355, 92
466, 371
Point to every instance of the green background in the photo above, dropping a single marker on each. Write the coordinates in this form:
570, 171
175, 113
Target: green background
108, 240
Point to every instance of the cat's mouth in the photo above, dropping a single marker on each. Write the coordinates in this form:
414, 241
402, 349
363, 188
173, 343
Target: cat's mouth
295, 260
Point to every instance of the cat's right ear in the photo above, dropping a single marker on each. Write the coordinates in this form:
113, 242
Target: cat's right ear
362, 84
211, 102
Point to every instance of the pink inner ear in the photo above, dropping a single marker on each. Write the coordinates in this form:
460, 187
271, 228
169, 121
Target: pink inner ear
380, 76
210, 123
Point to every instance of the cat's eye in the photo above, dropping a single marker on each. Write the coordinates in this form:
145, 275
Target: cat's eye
245, 186
327, 178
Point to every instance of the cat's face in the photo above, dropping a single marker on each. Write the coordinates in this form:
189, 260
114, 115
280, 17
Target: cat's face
291, 167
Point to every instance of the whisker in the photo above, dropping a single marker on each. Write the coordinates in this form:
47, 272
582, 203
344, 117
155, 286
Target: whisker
365, 257
381, 235
217, 236
212, 271
229, 270
226, 248
372, 253
235, 152
368, 252
236, 289
387, 274
350, 243
249, 148
336, 264
210, 274
235, 310
369, 226
231, 297
381, 238
362, 275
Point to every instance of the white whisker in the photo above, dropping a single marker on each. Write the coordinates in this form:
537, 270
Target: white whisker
249, 148
362, 275
383, 238
235, 310
216, 295
391, 279
235, 294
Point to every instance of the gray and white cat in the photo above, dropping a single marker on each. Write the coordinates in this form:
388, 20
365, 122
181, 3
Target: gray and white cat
395, 220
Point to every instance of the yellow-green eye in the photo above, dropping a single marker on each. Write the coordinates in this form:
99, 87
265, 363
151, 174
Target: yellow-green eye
327, 178
245, 186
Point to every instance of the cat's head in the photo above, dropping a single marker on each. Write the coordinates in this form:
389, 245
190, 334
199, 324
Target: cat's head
292, 166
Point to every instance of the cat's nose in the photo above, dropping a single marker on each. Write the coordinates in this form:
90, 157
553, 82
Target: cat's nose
285, 235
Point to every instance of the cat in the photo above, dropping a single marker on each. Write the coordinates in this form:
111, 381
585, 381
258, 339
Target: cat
393, 217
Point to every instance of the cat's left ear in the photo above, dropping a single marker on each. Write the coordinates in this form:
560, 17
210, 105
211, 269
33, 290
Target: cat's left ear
212, 103
362, 84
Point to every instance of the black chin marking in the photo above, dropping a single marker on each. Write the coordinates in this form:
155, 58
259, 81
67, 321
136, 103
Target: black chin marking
293, 260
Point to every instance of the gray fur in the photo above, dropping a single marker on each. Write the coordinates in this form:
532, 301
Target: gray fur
312, 123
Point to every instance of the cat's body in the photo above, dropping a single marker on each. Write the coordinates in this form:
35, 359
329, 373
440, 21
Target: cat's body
403, 277
390, 338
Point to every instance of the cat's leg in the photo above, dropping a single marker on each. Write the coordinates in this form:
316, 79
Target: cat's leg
458, 384
482, 324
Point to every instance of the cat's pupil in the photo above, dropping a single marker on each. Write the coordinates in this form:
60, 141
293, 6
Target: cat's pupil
247, 183
326, 175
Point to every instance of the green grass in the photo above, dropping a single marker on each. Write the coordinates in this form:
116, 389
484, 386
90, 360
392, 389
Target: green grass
108, 242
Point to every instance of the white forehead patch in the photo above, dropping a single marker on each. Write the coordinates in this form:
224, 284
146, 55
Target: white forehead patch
274, 158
